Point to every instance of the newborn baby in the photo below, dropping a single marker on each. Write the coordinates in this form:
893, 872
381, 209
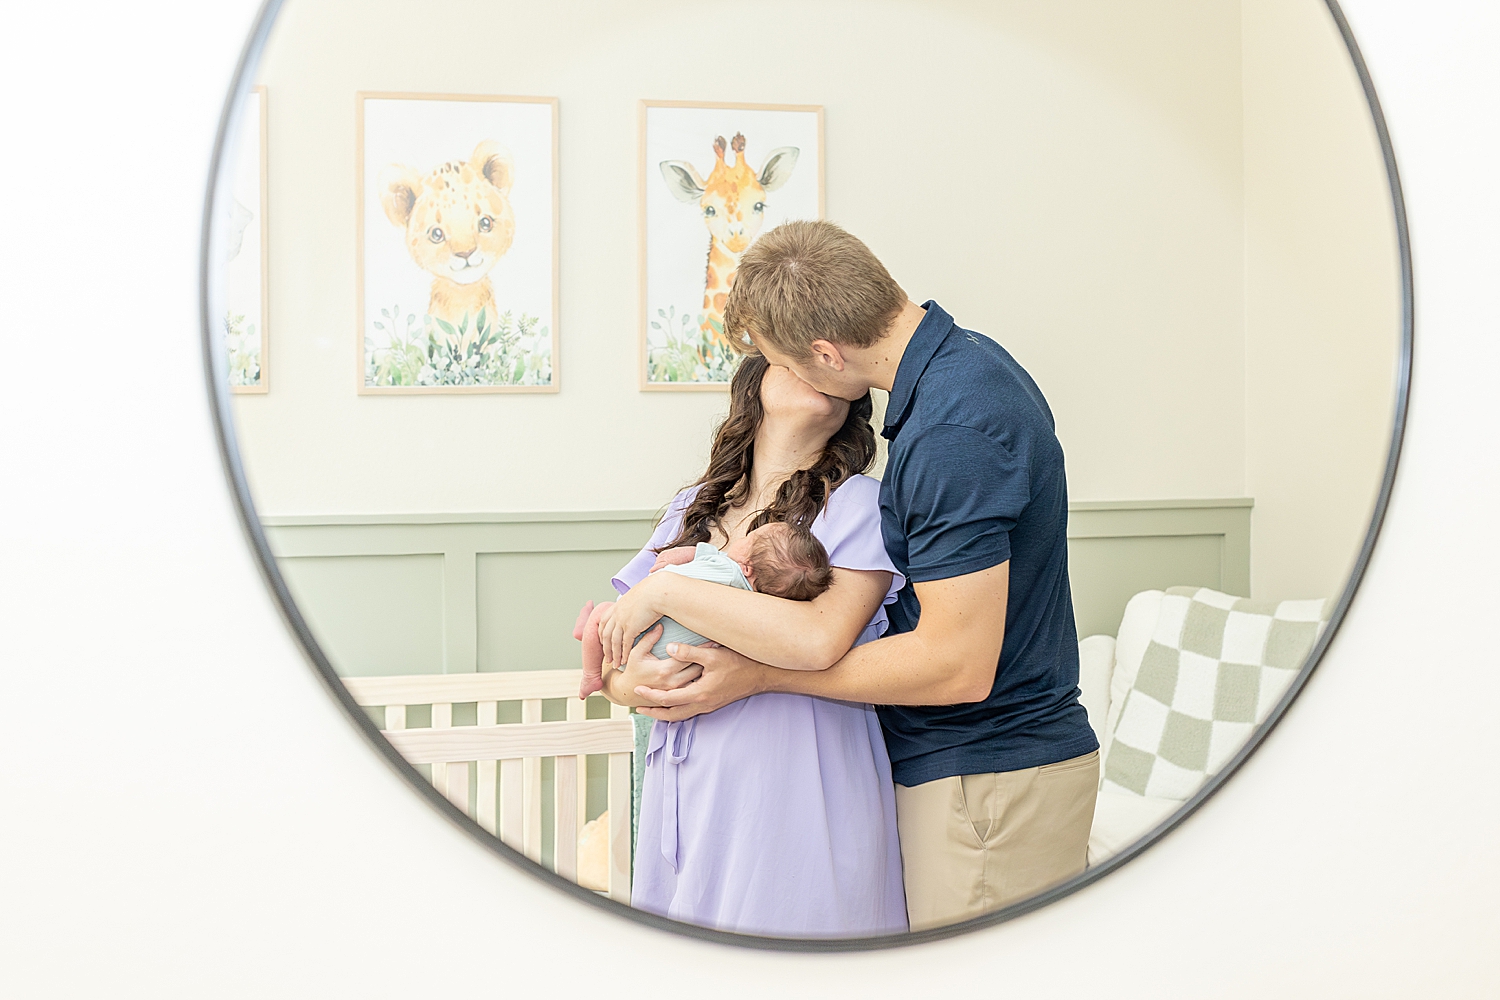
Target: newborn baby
777, 559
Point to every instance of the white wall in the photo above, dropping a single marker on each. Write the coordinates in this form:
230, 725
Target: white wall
1062, 176
1322, 301
152, 847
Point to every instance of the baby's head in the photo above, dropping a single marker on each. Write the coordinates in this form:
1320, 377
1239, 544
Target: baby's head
783, 560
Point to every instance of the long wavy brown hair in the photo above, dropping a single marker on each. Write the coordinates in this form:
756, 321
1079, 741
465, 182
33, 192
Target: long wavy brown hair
805, 493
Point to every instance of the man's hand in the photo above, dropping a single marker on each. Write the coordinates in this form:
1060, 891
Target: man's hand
726, 677
646, 672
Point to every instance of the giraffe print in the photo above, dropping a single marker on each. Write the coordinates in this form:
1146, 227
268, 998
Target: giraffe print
732, 201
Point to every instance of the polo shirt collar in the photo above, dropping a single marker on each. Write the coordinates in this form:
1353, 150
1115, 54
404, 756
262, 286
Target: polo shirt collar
925, 341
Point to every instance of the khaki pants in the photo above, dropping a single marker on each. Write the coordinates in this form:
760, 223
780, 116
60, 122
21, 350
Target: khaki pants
973, 843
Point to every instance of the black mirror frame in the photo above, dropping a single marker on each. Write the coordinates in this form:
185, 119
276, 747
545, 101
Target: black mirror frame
220, 402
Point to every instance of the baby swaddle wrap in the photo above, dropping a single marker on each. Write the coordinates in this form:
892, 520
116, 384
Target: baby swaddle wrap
708, 564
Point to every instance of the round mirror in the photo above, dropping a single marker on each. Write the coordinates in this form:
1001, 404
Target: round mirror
994, 407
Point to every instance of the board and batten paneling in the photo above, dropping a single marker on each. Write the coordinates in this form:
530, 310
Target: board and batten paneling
456, 593
507, 586
1118, 548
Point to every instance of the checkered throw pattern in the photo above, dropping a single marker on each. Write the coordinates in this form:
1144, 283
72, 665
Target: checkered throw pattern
1213, 669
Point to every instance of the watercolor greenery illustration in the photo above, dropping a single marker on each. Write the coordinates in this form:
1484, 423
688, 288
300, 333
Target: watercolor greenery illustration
682, 350
425, 351
243, 343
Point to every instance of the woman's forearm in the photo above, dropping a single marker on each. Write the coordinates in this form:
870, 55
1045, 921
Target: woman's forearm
792, 635
618, 692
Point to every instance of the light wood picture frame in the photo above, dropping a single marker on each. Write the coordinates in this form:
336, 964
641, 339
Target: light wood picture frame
766, 166
429, 319
247, 298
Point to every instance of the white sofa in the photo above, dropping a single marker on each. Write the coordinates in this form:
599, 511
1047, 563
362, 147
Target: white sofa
1107, 667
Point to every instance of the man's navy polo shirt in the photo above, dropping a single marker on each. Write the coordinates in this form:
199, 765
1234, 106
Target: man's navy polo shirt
975, 478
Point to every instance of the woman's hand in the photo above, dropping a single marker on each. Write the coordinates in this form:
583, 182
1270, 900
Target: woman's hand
632, 614
642, 670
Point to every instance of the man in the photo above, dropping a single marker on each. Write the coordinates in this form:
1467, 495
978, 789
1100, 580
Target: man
995, 765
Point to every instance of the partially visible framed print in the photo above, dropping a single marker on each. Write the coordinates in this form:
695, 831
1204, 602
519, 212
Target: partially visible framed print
458, 259
713, 177
247, 301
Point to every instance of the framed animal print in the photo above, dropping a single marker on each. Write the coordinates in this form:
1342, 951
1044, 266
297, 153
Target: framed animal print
458, 260
246, 297
713, 177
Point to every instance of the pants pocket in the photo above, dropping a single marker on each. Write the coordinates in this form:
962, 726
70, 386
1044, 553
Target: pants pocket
1089, 759
973, 805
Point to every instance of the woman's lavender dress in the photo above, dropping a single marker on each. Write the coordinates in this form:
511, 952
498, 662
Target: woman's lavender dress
776, 815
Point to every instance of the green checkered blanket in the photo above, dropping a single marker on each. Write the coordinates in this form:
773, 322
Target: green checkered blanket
1215, 666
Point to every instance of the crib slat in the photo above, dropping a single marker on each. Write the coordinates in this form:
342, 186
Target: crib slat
442, 718
565, 817
512, 827
395, 717
621, 712
619, 827
486, 807
618, 712
531, 713
577, 712
458, 786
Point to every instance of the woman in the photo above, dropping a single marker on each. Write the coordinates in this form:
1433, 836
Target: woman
775, 815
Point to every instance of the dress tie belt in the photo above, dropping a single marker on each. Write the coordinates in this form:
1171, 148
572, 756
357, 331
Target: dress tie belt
668, 749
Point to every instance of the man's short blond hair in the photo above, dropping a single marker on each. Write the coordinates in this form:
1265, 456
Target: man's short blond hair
805, 281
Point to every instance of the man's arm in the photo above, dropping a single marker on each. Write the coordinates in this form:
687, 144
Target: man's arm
797, 635
949, 659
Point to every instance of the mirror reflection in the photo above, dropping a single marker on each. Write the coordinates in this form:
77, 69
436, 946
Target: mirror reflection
834, 491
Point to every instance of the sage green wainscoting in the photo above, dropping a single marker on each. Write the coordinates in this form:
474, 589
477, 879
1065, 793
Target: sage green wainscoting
474, 591
1118, 548
450, 593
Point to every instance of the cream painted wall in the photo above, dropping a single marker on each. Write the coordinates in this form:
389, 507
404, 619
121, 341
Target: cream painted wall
1063, 176
1322, 301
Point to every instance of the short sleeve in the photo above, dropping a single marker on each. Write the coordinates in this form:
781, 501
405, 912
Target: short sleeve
849, 528
636, 570
959, 493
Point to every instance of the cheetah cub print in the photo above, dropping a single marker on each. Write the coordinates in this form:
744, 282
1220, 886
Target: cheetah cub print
458, 223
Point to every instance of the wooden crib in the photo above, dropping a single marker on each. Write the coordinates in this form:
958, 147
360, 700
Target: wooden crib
512, 752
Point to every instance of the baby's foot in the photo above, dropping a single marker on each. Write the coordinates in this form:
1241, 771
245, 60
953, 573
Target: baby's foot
587, 631
591, 685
